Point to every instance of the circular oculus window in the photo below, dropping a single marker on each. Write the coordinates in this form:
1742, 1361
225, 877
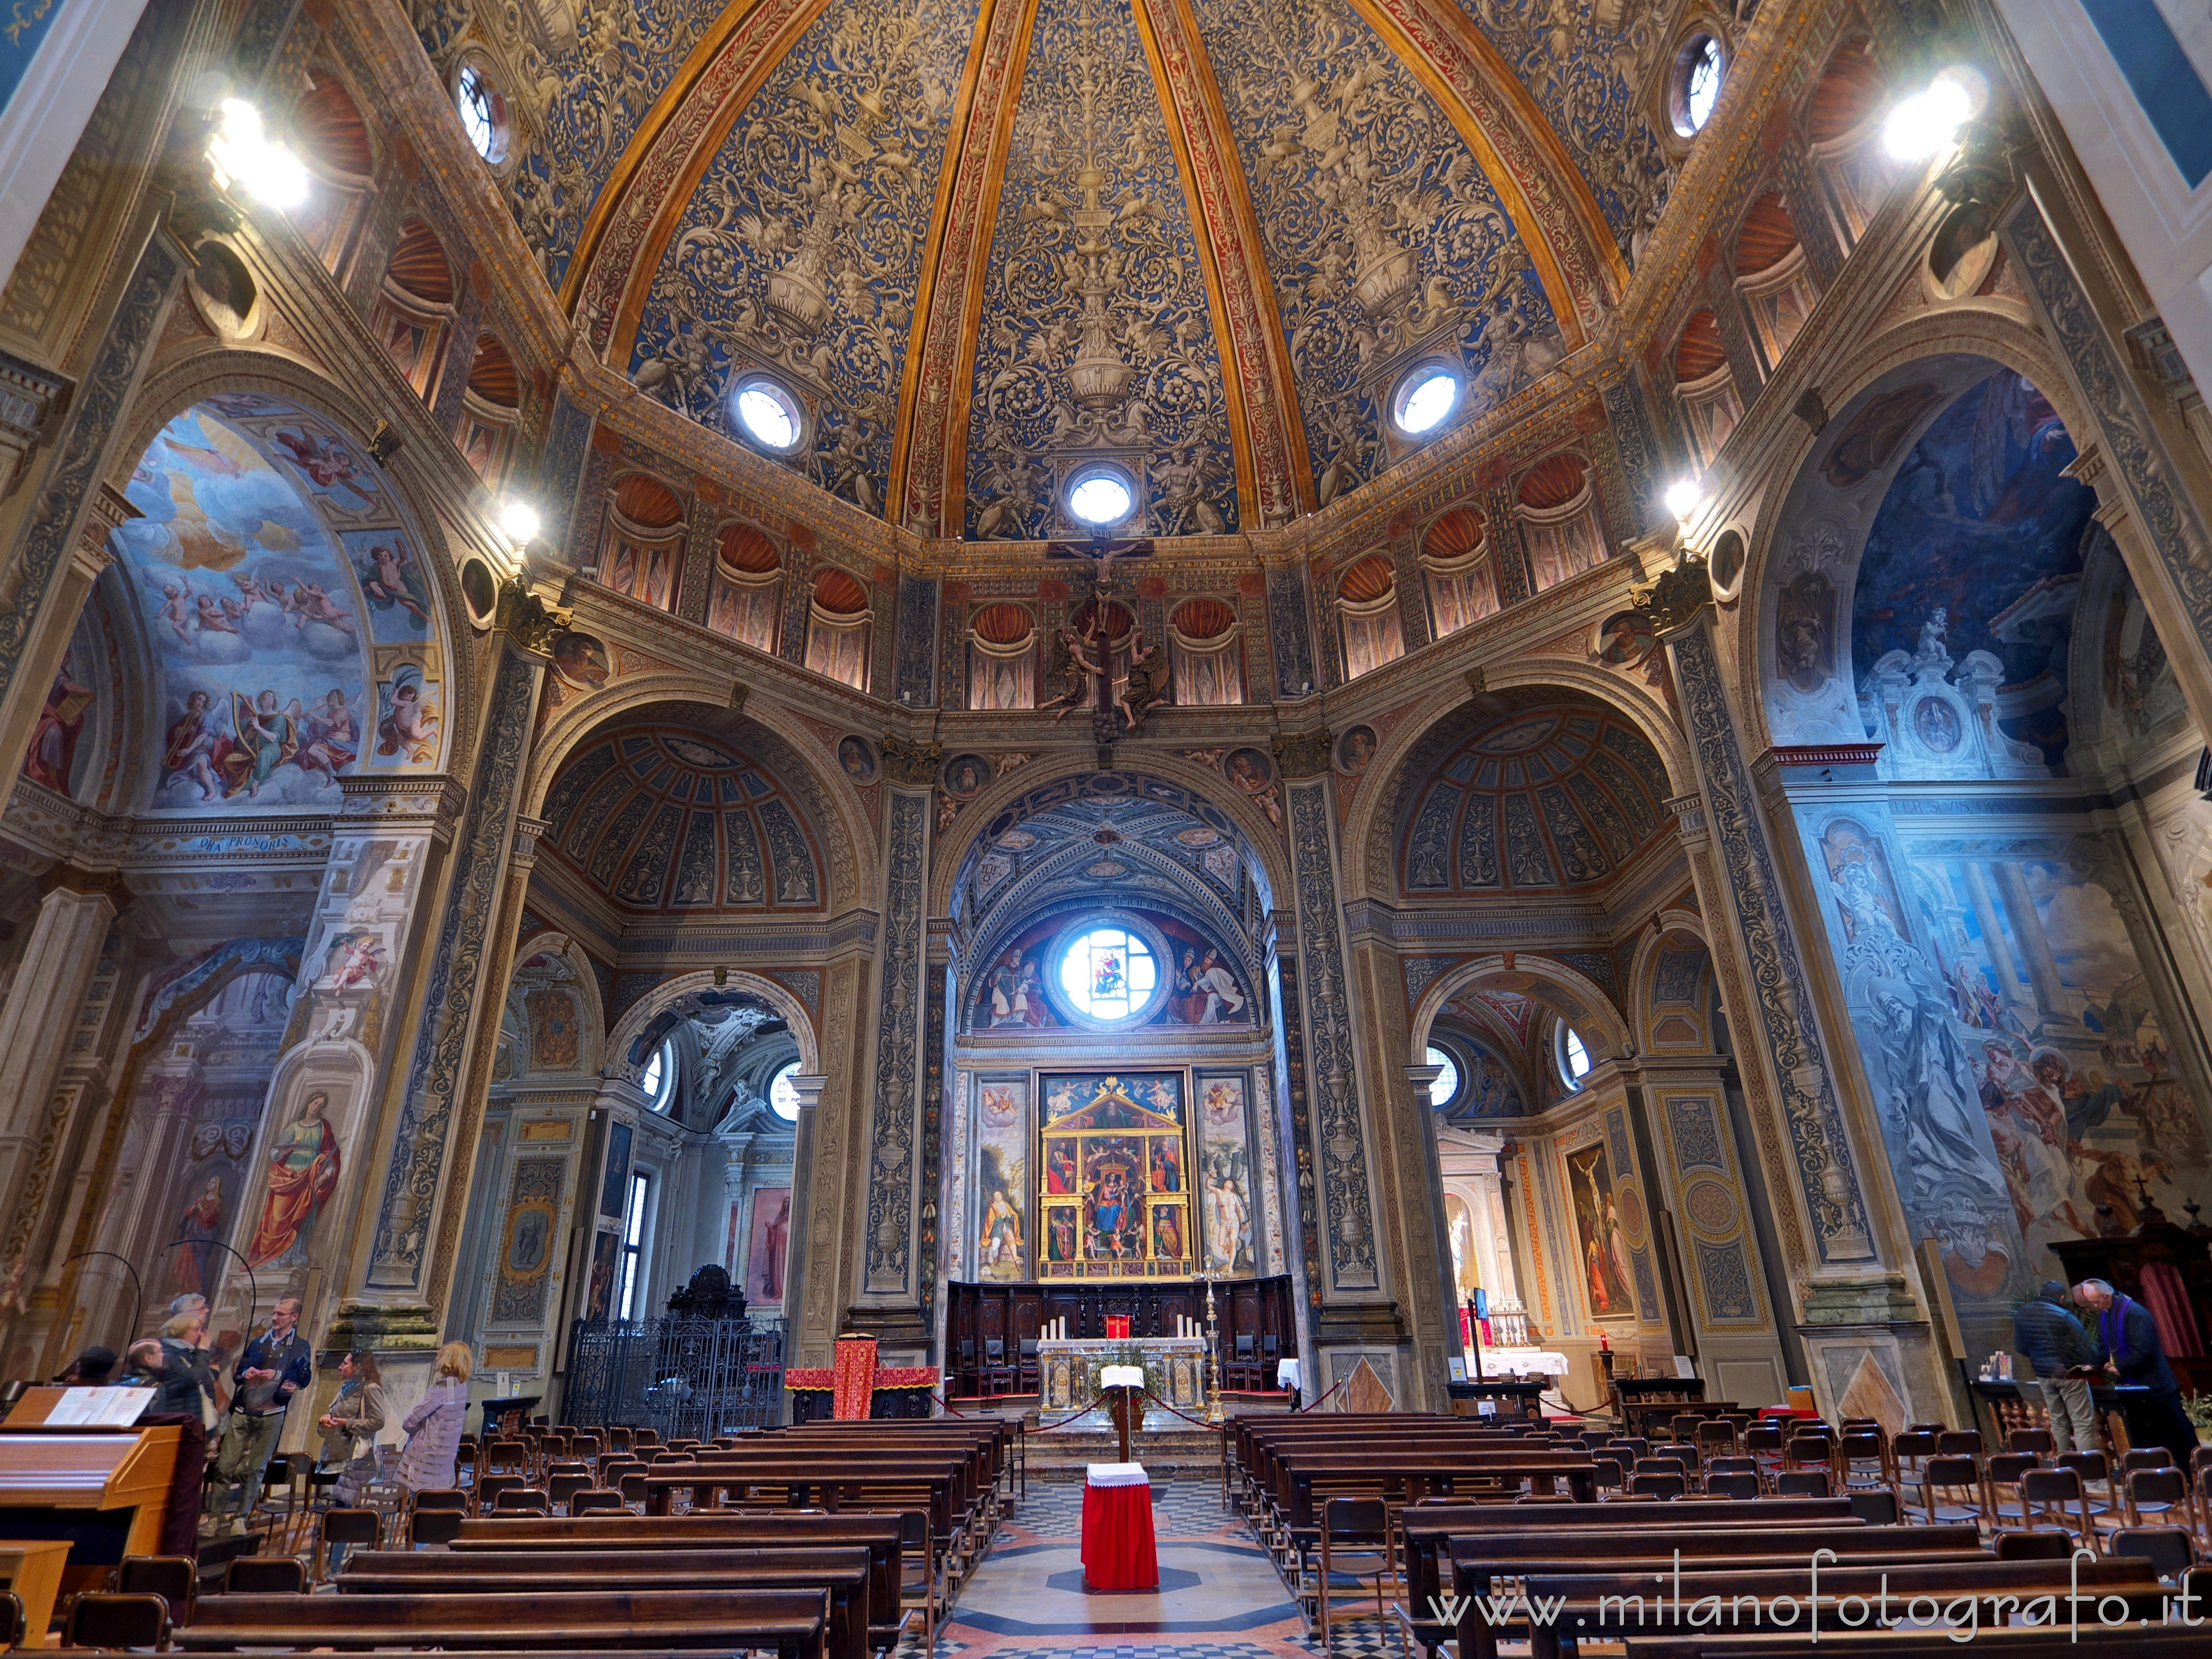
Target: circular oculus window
1100, 496
1698, 70
1108, 972
1446, 1086
769, 414
1425, 399
483, 112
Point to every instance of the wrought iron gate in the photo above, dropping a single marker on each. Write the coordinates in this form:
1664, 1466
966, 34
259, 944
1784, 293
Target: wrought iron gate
685, 1378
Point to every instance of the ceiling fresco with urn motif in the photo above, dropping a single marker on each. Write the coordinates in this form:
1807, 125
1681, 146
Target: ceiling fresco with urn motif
985, 243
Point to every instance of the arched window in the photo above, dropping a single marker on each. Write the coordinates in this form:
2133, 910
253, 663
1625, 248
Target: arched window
415, 308
1445, 1087
1110, 973
783, 1093
1574, 1057
491, 410
1455, 564
1367, 612
837, 631
1704, 389
642, 552
657, 1083
1207, 663
1772, 277
1558, 509
1002, 658
334, 145
746, 599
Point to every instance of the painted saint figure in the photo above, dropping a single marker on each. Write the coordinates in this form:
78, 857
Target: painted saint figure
267, 737
303, 1173
1002, 1231
199, 1237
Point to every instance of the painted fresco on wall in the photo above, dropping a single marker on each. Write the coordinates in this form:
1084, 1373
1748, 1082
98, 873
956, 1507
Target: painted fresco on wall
2141, 693
1606, 1279
1125, 1137
1384, 237
193, 1115
599, 1296
526, 1258
1493, 1088
1224, 1148
1978, 548
617, 1175
2073, 1068
765, 1248
304, 1163
1002, 1140
796, 252
272, 575
52, 759
1205, 988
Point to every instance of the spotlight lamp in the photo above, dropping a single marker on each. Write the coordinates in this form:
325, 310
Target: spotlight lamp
241, 153
520, 520
1684, 498
1928, 123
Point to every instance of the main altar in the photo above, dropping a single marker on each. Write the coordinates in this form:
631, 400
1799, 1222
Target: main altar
1174, 1370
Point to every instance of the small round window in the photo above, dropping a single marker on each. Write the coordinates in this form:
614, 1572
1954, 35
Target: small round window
1445, 1089
1109, 972
1697, 85
1425, 399
1574, 1057
1100, 496
483, 112
769, 414
783, 1093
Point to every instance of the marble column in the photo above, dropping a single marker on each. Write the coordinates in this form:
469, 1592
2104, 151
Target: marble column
888, 1303
1789, 1035
808, 1088
37, 1103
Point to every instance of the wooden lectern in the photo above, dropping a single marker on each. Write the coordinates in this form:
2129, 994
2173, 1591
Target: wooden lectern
103, 1490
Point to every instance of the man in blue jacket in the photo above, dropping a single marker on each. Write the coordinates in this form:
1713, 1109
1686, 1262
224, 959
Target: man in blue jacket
2053, 1343
273, 1367
2127, 1342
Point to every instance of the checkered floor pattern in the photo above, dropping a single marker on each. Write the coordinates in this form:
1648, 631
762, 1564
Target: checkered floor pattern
1221, 1596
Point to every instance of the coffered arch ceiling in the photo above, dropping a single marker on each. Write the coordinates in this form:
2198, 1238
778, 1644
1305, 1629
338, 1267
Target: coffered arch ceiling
987, 241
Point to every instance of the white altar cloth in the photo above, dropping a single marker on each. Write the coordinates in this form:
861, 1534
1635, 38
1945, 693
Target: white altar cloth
1068, 1368
1522, 1362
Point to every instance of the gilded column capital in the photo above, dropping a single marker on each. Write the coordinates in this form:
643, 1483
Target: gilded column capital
526, 619
1302, 754
914, 764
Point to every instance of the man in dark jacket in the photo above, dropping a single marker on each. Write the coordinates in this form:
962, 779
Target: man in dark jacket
273, 1367
2053, 1342
2127, 1342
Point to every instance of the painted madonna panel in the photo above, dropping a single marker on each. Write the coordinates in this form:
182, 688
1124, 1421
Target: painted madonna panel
1115, 1198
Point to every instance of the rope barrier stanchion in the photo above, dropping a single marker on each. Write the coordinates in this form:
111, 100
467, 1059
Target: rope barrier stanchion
1324, 1400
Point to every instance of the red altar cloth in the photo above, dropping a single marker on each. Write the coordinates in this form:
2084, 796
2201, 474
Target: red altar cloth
854, 1369
1119, 1552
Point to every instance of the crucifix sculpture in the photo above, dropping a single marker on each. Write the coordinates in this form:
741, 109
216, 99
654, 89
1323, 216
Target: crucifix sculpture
1116, 696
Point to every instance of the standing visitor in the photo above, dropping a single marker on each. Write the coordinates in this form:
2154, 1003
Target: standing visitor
2127, 1343
2054, 1343
434, 1428
275, 1367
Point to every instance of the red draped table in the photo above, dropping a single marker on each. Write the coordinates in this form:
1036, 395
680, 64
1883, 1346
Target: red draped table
1118, 1549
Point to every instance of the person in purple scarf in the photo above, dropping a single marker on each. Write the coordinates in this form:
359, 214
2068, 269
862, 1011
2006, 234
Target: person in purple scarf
2126, 1338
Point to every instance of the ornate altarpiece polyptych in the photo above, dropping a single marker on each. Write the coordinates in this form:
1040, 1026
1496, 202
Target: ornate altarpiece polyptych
1114, 1175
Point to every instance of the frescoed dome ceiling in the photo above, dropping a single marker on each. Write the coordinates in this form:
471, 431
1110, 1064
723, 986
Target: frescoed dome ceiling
986, 245
685, 822
1545, 797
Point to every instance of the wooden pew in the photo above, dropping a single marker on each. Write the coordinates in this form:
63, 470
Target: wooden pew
1479, 1560
1581, 1597
881, 1534
1426, 1529
844, 1573
793, 1622
1296, 1473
